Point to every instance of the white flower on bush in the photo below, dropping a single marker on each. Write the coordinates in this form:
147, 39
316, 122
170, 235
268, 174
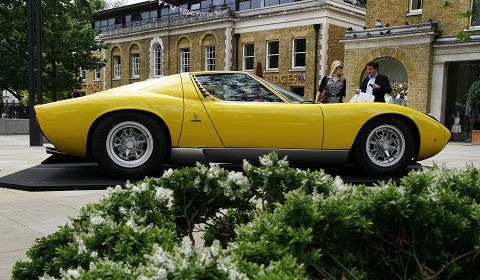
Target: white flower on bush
131, 223
236, 183
80, 245
265, 160
116, 189
237, 178
200, 168
168, 173
72, 274
136, 189
163, 194
162, 260
247, 166
97, 220
339, 185
214, 171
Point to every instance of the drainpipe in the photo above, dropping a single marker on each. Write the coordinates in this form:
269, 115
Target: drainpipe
237, 39
316, 27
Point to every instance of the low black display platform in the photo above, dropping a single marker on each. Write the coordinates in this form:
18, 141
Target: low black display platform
59, 172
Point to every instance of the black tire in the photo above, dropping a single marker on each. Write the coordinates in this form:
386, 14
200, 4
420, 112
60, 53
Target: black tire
384, 147
130, 145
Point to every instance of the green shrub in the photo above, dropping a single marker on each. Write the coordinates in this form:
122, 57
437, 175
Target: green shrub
270, 222
473, 95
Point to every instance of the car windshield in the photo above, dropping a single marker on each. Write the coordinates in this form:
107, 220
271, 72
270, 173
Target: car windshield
290, 96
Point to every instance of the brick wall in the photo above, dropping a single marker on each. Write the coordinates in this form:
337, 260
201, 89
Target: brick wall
396, 12
416, 60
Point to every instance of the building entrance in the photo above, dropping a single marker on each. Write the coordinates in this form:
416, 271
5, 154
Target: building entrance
459, 116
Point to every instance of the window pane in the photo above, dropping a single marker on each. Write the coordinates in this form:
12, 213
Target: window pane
116, 67
249, 51
135, 65
476, 14
255, 4
97, 74
272, 55
299, 52
195, 7
184, 60
236, 87
248, 56
158, 71
271, 2
273, 47
210, 58
416, 4
164, 13
249, 63
244, 5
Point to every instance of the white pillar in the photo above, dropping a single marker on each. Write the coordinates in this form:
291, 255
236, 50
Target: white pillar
439, 90
228, 48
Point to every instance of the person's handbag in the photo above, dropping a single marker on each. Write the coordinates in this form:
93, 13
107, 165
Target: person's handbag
323, 96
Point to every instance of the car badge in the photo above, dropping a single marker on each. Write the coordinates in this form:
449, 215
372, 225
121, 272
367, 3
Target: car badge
195, 116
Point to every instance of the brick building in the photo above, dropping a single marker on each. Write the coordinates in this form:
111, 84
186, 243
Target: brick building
415, 43
291, 39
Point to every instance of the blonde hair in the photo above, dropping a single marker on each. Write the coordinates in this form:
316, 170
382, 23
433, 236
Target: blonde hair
335, 65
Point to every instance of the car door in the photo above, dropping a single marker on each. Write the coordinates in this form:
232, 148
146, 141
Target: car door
247, 114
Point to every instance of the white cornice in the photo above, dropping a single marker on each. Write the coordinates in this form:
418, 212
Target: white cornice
388, 41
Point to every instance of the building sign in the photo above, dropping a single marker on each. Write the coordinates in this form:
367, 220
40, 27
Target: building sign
285, 78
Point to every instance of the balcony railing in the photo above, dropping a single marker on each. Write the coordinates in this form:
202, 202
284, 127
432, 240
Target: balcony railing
156, 23
13, 110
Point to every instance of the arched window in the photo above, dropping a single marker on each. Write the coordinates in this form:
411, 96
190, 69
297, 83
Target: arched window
158, 61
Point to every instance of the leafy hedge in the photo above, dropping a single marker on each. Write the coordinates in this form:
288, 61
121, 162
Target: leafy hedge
270, 222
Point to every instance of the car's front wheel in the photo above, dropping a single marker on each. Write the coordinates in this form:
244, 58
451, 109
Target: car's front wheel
129, 145
384, 147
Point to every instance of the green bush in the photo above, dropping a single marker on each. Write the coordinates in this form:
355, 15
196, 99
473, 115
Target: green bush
270, 222
473, 95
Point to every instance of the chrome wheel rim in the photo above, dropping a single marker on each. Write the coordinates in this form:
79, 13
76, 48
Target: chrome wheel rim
129, 144
385, 145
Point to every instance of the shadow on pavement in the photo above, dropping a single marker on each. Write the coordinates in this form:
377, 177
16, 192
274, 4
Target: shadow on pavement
60, 172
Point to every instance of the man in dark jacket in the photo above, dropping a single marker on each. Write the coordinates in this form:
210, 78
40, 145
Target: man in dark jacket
375, 84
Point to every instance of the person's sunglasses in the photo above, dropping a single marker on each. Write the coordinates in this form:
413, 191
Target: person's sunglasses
341, 67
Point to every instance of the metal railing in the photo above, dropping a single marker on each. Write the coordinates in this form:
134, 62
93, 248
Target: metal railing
13, 110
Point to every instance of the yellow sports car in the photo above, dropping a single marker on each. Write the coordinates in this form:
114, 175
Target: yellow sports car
225, 117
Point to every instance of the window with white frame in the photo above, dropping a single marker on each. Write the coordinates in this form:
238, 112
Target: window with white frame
209, 58
83, 74
475, 20
272, 55
416, 6
135, 65
158, 63
96, 74
248, 57
184, 60
117, 67
299, 52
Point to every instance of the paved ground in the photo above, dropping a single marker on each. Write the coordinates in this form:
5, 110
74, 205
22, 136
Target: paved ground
25, 216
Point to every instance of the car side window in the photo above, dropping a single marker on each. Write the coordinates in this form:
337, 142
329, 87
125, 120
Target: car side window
236, 87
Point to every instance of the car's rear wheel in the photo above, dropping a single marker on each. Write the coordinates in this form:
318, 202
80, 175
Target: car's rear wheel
130, 145
384, 147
